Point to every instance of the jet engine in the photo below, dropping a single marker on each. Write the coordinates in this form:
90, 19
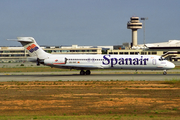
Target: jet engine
55, 61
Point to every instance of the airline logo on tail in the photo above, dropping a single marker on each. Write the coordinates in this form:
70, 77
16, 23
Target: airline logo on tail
32, 48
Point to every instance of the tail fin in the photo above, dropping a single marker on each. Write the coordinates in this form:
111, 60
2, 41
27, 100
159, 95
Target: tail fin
32, 47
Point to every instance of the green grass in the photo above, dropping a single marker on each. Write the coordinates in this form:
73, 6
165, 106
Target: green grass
172, 81
177, 67
91, 117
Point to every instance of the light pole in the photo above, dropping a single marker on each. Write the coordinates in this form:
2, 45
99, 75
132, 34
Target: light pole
144, 28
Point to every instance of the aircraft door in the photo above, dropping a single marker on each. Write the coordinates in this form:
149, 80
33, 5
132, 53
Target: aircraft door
154, 61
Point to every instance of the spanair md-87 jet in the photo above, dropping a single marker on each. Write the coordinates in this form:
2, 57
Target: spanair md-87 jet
85, 62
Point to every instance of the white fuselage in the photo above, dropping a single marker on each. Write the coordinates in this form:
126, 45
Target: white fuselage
137, 62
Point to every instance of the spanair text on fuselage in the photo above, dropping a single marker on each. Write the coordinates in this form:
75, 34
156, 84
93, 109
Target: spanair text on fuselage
137, 62
118, 61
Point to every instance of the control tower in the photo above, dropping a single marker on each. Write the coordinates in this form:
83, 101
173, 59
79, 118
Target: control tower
134, 24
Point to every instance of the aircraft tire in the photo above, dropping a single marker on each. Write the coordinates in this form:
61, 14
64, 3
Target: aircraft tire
88, 72
164, 73
82, 72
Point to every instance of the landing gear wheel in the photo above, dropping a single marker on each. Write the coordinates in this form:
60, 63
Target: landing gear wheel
82, 72
37, 62
88, 72
164, 73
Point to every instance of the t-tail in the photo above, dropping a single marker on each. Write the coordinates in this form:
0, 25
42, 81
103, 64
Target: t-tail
34, 50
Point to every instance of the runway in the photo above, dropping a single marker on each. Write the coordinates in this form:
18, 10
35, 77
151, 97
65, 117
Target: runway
74, 76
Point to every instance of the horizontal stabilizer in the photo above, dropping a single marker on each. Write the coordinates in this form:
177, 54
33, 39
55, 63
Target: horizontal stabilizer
23, 39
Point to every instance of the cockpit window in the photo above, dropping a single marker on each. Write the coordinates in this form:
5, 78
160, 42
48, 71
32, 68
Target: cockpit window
161, 59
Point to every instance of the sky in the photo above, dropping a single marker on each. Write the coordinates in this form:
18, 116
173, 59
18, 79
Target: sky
87, 22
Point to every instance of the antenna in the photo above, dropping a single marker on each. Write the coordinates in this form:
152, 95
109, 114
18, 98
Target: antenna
144, 37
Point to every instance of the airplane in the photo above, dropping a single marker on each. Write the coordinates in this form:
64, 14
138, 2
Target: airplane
85, 63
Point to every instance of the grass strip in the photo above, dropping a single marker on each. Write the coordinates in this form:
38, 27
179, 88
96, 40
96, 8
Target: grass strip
90, 117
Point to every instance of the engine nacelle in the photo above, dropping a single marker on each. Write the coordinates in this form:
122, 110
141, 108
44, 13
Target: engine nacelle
55, 61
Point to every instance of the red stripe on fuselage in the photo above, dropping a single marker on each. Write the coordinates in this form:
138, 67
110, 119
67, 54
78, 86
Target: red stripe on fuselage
58, 63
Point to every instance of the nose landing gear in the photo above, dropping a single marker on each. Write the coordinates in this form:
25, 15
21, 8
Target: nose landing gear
165, 72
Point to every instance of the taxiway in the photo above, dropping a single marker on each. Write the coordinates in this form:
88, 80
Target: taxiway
74, 76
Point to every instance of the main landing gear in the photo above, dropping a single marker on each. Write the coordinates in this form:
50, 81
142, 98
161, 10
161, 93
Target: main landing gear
82, 72
165, 72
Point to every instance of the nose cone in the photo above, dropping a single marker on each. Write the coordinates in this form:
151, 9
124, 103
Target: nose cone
170, 65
